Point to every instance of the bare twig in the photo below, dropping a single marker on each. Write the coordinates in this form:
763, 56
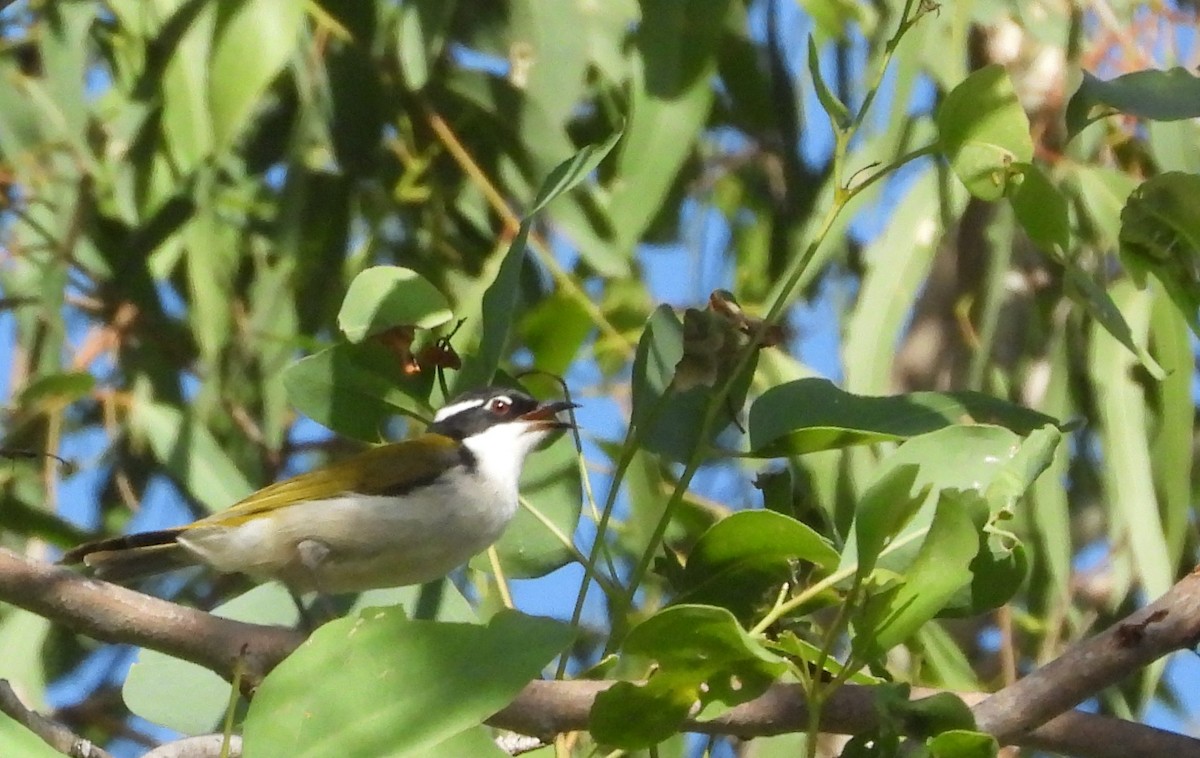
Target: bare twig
51, 732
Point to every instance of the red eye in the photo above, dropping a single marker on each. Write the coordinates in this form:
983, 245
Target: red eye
499, 405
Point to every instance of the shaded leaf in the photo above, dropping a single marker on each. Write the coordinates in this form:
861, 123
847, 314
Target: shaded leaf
252, 43
1041, 210
813, 414
354, 389
704, 655
1161, 95
1160, 235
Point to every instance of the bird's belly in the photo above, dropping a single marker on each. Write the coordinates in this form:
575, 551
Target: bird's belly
353, 543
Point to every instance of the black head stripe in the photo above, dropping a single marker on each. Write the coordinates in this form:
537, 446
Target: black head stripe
478, 412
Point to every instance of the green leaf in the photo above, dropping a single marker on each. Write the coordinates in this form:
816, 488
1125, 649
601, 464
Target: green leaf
383, 297
381, 684
839, 116
1161, 95
983, 132
804, 651
961, 743
422, 31
927, 716
703, 656
23, 638
190, 453
1099, 305
812, 414
743, 556
1041, 210
56, 390
191, 699
988, 460
253, 41
890, 502
941, 569
1160, 235
187, 116
212, 262
354, 389
1127, 474
675, 59
633, 716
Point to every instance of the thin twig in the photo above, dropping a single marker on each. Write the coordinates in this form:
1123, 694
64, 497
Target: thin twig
51, 732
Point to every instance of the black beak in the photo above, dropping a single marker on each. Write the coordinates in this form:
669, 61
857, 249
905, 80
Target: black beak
546, 417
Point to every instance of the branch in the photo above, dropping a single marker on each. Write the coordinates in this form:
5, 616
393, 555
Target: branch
549, 707
114, 614
51, 732
110, 613
1168, 624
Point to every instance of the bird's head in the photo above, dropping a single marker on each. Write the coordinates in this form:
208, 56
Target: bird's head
500, 423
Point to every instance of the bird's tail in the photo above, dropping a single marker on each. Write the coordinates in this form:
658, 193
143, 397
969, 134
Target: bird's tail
126, 559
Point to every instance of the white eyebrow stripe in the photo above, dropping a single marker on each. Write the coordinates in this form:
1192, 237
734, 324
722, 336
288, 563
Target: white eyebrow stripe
453, 410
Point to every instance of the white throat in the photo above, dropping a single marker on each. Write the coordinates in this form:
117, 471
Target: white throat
500, 451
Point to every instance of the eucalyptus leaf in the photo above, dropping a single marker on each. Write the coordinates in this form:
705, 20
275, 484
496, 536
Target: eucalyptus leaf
1160, 95
703, 656
812, 414
983, 131
385, 297
382, 684
500, 298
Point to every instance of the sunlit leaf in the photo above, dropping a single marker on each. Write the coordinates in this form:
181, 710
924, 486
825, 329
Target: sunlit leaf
384, 297
392, 686
983, 131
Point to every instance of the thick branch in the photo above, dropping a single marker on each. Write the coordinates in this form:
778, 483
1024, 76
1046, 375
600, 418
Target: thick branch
1168, 624
115, 614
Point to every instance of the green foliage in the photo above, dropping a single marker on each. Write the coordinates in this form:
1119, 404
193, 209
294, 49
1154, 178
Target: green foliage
703, 656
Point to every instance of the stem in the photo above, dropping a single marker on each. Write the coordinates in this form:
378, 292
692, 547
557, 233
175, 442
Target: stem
498, 575
841, 575
628, 450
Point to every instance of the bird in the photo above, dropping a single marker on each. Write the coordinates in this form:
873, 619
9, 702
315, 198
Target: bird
394, 515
